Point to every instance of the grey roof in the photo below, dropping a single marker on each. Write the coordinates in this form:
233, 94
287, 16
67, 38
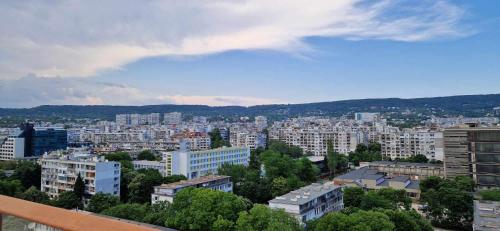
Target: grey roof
361, 173
405, 164
486, 215
304, 194
414, 184
400, 178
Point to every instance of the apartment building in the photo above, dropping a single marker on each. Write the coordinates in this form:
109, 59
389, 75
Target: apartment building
397, 144
367, 117
59, 174
474, 152
247, 138
260, 122
310, 202
12, 147
147, 164
166, 192
196, 140
138, 119
173, 118
194, 164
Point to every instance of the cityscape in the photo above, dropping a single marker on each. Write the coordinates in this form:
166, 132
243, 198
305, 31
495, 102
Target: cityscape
250, 115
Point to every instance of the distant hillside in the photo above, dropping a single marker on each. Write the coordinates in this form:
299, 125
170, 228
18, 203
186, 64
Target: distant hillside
468, 105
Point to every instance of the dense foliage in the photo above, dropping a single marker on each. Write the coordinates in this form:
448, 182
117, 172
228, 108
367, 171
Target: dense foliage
364, 153
216, 140
490, 195
449, 202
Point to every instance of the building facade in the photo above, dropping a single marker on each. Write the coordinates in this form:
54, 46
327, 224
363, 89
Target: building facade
166, 192
59, 174
194, 164
147, 164
310, 202
473, 152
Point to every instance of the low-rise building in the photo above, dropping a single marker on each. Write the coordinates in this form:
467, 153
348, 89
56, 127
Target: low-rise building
59, 174
372, 179
486, 216
194, 164
310, 202
416, 171
166, 192
147, 164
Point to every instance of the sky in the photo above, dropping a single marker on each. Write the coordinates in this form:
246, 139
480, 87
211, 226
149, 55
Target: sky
253, 52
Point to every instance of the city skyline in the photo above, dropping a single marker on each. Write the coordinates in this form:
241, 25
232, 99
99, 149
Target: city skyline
245, 53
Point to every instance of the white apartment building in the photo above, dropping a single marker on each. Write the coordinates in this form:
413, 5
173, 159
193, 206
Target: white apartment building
260, 122
367, 117
166, 192
310, 202
245, 138
196, 140
147, 164
194, 164
12, 147
59, 174
138, 119
173, 118
409, 142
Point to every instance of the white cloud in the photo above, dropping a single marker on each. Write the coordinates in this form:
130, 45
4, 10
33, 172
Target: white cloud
82, 38
32, 91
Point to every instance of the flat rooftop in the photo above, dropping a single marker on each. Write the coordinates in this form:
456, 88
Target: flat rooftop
486, 215
192, 182
405, 164
304, 194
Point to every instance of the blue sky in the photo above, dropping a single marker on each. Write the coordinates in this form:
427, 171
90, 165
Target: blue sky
455, 54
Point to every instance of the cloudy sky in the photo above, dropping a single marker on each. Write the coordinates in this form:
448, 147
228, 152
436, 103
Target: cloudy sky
237, 52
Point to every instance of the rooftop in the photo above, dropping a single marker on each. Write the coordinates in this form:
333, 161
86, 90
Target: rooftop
486, 215
361, 173
192, 182
304, 194
405, 164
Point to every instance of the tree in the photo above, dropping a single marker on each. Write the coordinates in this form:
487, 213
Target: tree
173, 178
146, 155
373, 200
353, 196
276, 164
158, 213
306, 170
490, 195
222, 224
102, 201
285, 149
79, 187
449, 204
361, 220
35, 195
260, 217
279, 186
29, 173
127, 175
133, 211
10, 187
118, 156
67, 200
407, 220
142, 185
334, 160
199, 208
216, 140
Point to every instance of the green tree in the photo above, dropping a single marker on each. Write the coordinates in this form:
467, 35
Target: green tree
29, 173
35, 195
216, 140
133, 211
146, 155
279, 186
306, 170
79, 187
158, 213
127, 175
450, 203
285, 149
260, 217
222, 224
67, 200
199, 208
118, 156
353, 196
490, 195
10, 187
102, 201
373, 200
335, 161
276, 164
142, 185
407, 220
173, 178
361, 220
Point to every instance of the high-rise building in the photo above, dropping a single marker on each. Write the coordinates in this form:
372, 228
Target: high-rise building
173, 118
59, 174
367, 117
474, 152
194, 164
260, 122
28, 141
